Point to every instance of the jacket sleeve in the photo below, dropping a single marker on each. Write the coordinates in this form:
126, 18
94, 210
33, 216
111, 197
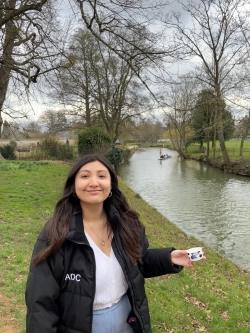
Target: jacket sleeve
157, 262
42, 294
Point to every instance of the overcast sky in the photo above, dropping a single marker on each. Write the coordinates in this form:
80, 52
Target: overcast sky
70, 13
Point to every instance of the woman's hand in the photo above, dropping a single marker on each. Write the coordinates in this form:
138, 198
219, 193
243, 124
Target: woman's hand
180, 257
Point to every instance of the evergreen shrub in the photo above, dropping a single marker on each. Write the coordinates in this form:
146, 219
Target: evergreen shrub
115, 156
93, 140
8, 151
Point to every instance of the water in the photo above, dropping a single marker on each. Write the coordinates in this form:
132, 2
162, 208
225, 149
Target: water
201, 200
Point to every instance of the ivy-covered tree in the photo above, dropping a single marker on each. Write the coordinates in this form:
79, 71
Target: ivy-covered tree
204, 119
229, 124
244, 129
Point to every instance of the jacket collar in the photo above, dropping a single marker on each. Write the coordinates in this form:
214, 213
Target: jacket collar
76, 230
113, 216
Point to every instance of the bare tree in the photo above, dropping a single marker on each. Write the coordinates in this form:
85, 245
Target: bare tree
148, 130
53, 121
101, 87
75, 84
137, 25
8, 10
32, 129
213, 34
27, 50
134, 17
130, 22
181, 100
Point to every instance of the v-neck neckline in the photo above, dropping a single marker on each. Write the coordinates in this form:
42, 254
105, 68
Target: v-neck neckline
92, 243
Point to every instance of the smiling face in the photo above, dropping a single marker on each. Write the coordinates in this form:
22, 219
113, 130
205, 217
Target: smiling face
92, 183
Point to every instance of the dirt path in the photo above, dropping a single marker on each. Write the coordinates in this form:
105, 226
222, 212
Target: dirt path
8, 324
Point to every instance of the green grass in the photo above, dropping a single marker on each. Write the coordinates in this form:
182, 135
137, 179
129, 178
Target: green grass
28, 192
233, 148
213, 296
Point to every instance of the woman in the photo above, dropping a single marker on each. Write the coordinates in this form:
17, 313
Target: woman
89, 263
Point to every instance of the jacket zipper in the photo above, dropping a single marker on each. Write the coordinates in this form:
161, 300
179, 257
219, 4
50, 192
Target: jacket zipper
127, 270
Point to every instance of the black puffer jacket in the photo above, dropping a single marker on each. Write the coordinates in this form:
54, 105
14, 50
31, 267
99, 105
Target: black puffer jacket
60, 291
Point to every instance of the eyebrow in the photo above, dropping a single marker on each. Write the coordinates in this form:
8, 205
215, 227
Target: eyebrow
98, 171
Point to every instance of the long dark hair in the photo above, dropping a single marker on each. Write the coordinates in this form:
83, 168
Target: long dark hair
58, 226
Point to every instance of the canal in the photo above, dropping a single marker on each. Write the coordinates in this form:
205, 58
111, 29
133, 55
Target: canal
203, 201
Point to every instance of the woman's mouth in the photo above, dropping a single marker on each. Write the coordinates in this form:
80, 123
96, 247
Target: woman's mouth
94, 191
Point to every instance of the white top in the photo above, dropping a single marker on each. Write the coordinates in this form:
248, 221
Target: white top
111, 284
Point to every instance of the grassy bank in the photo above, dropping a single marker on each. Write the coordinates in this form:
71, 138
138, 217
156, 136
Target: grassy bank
214, 296
233, 148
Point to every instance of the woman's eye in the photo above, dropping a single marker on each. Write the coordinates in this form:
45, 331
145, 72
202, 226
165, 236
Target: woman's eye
84, 176
102, 176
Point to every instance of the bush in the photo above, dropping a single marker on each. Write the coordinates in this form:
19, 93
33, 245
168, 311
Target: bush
115, 156
65, 152
50, 148
8, 151
93, 140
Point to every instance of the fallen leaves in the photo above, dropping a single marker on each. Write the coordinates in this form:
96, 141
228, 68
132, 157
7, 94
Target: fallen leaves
197, 327
195, 301
224, 315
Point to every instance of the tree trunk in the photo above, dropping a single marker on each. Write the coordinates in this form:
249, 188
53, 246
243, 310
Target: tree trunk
5, 68
87, 94
183, 137
214, 142
171, 136
221, 139
208, 149
242, 145
244, 135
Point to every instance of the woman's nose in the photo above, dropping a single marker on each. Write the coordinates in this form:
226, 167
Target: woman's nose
94, 181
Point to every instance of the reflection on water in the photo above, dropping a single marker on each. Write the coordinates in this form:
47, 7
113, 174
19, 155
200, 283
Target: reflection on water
203, 201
